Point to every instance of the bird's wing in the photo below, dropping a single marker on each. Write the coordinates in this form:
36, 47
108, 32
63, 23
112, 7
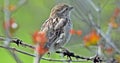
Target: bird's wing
54, 29
46, 25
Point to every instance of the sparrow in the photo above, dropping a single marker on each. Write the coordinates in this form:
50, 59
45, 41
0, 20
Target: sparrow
56, 29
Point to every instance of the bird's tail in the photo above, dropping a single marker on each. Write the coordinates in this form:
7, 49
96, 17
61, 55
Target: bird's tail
40, 50
37, 58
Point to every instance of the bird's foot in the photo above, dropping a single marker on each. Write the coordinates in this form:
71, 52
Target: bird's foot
97, 59
65, 52
48, 54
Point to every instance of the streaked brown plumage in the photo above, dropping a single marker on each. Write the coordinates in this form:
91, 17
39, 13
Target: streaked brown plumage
57, 27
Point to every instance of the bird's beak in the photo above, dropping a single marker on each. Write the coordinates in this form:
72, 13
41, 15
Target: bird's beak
70, 8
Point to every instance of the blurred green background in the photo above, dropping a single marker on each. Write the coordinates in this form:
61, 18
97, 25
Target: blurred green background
30, 18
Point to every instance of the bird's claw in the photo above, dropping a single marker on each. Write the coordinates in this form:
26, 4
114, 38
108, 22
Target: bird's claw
67, 53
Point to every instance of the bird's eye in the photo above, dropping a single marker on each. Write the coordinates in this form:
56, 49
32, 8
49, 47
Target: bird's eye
66, 8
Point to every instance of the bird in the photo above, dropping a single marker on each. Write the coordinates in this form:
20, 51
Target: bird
56, 29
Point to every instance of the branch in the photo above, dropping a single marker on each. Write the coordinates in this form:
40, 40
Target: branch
14, 49
62, 60
107, 39
48, 59
20, 42
17, 41
19, 4
7, 15
95, 58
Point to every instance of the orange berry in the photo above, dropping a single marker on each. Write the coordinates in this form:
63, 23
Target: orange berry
34, 37
116, 12
78, 32
109, 51
72, 31
11, 25
40, 37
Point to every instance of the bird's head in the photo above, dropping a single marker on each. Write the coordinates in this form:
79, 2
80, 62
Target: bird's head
60, 10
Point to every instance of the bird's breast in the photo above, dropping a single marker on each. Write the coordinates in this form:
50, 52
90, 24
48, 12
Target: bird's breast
67, 29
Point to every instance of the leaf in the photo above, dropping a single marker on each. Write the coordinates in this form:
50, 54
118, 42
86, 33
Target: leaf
113, 23
117, 57
91, 38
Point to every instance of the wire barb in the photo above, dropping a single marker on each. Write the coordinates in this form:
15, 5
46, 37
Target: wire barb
69, 54
20, 42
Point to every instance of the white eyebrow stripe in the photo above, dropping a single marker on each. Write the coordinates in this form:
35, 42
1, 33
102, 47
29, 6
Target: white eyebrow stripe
62, 10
